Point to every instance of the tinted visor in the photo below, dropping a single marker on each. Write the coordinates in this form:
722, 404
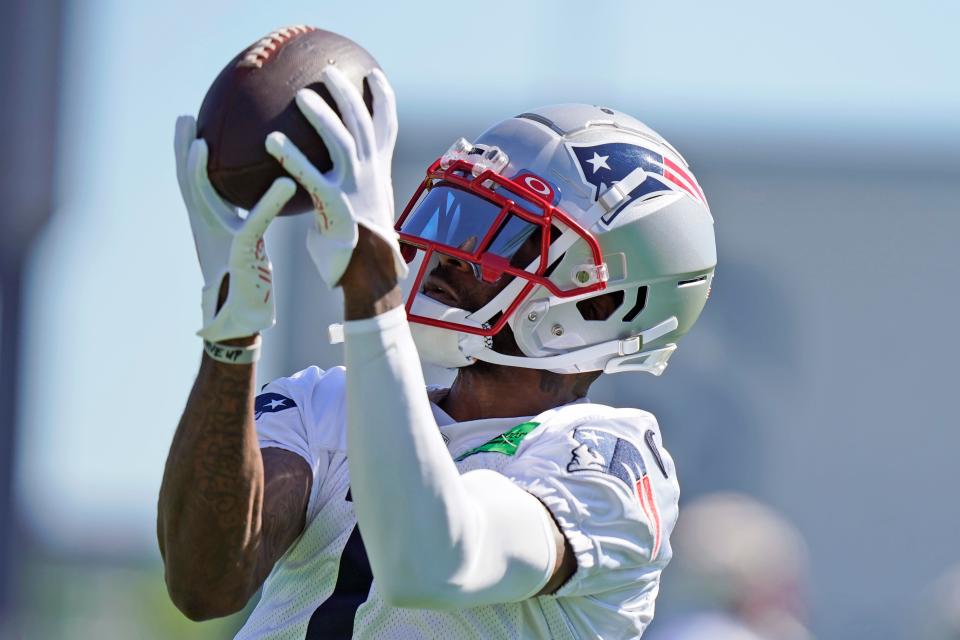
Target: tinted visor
462, 220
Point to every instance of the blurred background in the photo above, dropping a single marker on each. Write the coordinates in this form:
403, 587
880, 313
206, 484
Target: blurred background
817, 393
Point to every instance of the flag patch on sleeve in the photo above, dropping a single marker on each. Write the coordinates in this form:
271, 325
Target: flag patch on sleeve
603, 452
271, 403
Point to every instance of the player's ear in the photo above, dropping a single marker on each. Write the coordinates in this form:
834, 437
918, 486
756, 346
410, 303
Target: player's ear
600, 307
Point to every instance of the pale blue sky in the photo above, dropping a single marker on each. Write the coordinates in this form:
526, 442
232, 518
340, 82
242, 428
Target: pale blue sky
114, 288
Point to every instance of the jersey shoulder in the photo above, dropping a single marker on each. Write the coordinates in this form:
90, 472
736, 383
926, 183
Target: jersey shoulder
629, 422
618, 434
621, 443
312, 401
611, 486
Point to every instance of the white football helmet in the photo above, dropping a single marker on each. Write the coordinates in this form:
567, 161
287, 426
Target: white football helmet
609, 206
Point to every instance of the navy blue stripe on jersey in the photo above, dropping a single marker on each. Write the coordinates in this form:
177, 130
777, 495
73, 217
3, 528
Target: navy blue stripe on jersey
333, 619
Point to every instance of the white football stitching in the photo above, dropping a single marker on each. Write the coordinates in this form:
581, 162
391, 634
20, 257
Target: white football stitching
260, 51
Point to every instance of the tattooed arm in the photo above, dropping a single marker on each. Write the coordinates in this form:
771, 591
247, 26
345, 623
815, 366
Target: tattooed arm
227, 510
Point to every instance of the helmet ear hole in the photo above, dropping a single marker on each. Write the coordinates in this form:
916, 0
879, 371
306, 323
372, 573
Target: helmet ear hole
638, 306
600, 307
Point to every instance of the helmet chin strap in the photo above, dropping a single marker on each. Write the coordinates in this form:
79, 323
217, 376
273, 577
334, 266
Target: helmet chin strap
615, 355
455, 349
444, 347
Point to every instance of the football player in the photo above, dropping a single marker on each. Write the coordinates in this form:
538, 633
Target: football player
563, 243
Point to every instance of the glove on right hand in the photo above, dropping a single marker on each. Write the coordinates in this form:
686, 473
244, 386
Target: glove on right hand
358, 190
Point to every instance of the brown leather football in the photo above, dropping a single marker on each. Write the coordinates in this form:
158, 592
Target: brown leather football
254, 95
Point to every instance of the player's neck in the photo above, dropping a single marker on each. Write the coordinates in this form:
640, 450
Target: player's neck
491, 391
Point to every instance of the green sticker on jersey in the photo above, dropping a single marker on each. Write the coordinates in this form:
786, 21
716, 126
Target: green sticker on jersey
505, 443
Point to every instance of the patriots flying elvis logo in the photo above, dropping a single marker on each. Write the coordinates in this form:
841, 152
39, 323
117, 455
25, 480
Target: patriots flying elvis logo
602, 165
603, 452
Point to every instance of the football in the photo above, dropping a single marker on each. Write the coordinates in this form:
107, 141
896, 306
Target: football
254, 95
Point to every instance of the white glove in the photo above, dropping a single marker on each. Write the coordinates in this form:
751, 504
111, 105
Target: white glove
227, 244
358, 189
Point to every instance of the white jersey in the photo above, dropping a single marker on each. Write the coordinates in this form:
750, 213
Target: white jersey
602, 472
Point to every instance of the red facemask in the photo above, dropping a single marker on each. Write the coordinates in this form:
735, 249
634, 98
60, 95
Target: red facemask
501, 227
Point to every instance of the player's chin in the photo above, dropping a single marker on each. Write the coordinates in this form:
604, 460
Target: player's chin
504, 342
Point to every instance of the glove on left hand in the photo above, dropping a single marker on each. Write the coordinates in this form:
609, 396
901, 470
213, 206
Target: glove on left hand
358, 189
227, 244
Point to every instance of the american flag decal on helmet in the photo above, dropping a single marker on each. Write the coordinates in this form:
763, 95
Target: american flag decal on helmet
602, 165
604, 452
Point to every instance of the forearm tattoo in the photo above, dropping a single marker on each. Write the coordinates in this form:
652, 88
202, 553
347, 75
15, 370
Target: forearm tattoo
214, 525
213, 481
222, 417
286, 492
